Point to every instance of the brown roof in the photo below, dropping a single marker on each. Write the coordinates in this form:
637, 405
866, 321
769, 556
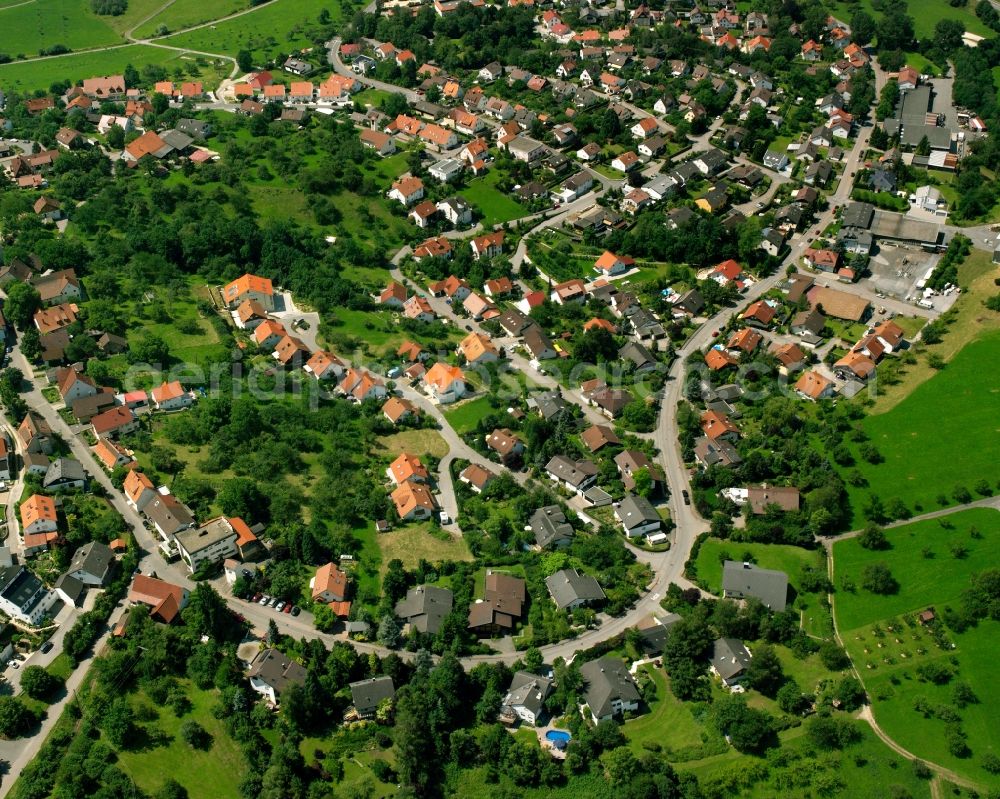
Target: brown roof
112, 419
597, 436
163, 598
759, 497
477, 475
502, 441
397, 407
840, 304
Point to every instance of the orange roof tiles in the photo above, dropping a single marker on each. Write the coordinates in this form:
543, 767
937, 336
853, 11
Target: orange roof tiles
246, 284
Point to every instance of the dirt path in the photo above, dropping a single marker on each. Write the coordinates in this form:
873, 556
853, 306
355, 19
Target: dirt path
940, 771
128, 34
988, 502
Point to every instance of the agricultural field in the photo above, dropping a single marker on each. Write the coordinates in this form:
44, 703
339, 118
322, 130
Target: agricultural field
270, 29
182, 14
920, 438
894, 653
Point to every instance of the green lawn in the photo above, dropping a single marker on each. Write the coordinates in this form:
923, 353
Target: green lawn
182, 14
466, 416
412, 543
923, 581
788, 559
937, 438
206, 774
29, 27
494, 205
887, 659
272, 29
866, 770
925, 13
32, 75
669, 721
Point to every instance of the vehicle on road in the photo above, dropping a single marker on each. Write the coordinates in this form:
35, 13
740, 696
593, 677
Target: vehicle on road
687, 497
47, 647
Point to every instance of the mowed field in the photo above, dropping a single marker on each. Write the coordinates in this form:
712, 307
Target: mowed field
31, 27
270, 29
887, 649
187, 13
944, 435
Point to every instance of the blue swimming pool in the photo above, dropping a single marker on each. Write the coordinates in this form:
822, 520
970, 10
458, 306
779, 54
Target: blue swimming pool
558, 736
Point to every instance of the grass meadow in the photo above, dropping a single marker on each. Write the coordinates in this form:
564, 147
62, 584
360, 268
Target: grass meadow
277, 27
888, 646
938, 437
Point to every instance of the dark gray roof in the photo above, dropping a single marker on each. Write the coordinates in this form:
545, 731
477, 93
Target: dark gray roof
529, 691
691, 301
71, 587
62, 471
93, 558
425, 607
574, 473
858, 215
168, 513
635, 511
273, 668
550, 526
636, 353
368, 694
729, 657
740, 580
607, 679
655, 630
569, 586
176, 139
20, 587
550, 403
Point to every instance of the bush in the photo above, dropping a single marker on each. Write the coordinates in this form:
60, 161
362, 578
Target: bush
991, 763
109, 8
877, 578
194, 735
828, 732
934, 672
833, 656
383, 771
37, 683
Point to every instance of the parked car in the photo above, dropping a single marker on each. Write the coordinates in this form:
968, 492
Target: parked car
288, 608
255, 598
272, 602
279, 607
264, 600
295, 610
47, 647
14, 664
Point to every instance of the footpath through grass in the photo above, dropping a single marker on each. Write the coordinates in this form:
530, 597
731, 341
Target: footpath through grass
278, 27
893, 652
31, 75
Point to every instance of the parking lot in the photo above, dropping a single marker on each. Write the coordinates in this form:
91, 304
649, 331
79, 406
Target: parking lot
895, 270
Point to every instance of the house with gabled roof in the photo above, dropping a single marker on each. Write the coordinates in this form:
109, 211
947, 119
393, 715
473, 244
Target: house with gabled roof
506, 444
445, 383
